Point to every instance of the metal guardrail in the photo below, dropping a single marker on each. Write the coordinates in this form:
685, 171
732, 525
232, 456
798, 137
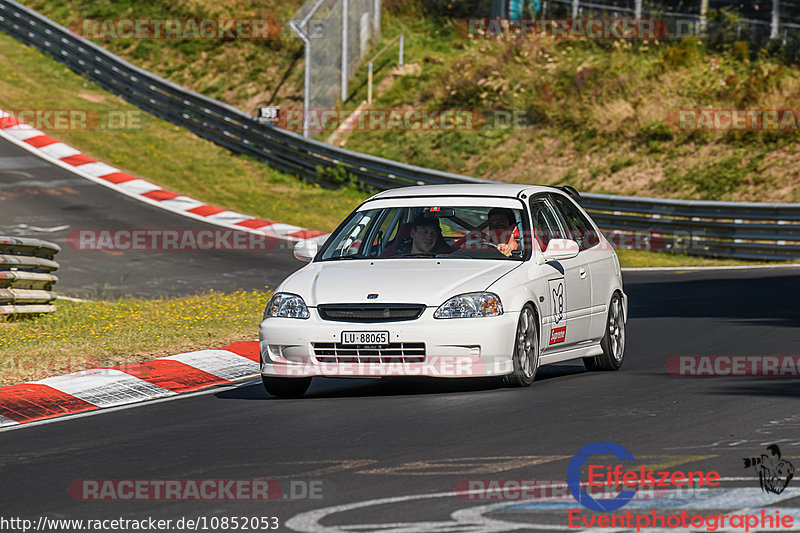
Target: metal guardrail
741, 230
26, 276
725, 229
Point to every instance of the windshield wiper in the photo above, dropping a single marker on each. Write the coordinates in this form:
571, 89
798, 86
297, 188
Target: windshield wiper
338, 257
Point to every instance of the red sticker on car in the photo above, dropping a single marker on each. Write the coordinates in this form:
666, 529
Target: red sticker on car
558, 335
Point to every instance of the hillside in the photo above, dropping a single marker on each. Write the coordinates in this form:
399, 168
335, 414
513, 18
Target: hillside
601, 116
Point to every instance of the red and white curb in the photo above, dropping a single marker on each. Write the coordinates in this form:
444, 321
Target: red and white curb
101, 388
73, 160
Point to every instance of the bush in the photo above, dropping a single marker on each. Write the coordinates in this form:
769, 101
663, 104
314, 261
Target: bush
337, 176
682, 54
656, 131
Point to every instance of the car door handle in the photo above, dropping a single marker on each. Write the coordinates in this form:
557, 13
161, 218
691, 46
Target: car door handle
582, 272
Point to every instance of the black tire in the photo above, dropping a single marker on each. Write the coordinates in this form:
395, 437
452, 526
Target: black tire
286, 387
613, 341
526, 350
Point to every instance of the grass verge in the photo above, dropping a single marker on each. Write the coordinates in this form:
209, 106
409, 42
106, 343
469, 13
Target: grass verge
83, 335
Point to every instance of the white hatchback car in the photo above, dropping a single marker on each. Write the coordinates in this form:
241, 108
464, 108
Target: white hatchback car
448, 281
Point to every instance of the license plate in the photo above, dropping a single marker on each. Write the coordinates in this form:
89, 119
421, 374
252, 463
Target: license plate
373, 338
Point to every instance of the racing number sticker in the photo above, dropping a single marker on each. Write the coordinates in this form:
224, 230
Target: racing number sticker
557, 296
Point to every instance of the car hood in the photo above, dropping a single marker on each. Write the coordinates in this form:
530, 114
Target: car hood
428, 281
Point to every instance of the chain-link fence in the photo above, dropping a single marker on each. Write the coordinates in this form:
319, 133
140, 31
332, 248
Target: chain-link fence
756, 21
336, 34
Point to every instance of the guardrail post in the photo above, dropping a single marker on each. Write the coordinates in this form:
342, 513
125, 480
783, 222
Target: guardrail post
345, 24
376, 8
369, 83
400, 59
575, 4
703, 26
306, 74
776, 19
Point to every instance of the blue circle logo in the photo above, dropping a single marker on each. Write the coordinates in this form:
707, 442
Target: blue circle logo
574, 477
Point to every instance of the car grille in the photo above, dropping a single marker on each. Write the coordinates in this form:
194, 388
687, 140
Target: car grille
370, 312
396, 352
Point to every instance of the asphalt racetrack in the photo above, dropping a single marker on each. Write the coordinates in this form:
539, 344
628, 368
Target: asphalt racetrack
38, 199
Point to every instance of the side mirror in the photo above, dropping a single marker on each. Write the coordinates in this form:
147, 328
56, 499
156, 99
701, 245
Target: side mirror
305, 250
559, 249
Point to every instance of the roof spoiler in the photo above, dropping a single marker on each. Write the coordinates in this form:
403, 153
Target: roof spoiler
572, 192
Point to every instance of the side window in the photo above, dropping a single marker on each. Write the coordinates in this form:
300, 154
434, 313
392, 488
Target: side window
353, 233
579, 227
384, 232
545, 222
388, 227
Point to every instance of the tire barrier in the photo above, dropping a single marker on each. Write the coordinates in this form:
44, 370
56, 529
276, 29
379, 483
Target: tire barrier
26, 276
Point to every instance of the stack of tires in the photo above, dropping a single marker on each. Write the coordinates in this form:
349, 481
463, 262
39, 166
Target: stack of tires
26, 276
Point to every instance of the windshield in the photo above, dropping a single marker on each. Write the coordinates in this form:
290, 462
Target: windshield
459, 232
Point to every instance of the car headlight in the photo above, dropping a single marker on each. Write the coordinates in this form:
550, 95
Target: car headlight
284, 304
470, 305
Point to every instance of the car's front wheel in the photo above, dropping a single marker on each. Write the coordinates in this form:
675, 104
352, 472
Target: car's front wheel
613, 342
526, 350
286, 387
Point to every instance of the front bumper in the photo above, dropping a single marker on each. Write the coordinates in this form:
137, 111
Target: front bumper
455, 347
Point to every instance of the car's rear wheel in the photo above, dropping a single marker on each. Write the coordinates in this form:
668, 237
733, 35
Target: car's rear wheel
286, 387
526, 350
613, 342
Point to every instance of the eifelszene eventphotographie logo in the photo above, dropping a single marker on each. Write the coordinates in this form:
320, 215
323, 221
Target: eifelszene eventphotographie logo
623, 478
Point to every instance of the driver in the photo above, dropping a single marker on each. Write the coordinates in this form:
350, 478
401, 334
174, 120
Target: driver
499, 234
501, 229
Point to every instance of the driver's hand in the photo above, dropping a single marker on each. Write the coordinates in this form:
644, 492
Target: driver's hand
505, 249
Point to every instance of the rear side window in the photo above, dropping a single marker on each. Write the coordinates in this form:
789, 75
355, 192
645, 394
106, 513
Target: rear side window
578, 225
545, 222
